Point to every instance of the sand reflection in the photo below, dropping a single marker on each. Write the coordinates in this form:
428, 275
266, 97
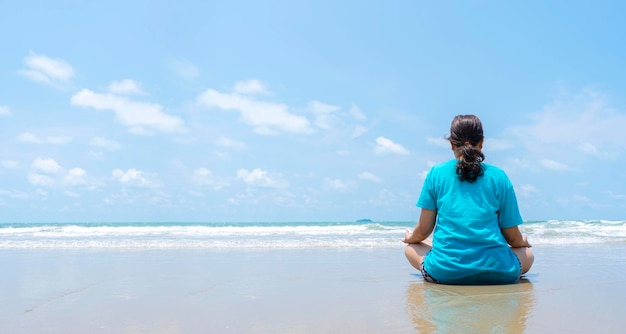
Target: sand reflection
436, 308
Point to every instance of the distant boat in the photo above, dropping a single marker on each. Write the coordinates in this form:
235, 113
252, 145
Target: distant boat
364, 221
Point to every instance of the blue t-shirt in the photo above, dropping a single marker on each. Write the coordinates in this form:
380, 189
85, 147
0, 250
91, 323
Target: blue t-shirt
468, 246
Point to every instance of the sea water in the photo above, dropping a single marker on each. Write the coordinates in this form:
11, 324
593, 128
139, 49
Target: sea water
269, 235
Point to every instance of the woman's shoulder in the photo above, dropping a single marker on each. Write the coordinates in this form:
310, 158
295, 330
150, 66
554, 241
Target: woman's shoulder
494, 172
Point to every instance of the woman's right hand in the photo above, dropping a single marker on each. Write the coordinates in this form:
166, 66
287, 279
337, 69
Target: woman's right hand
407, 236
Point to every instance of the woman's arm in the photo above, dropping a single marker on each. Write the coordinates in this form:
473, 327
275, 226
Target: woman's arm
423, 228
514, 237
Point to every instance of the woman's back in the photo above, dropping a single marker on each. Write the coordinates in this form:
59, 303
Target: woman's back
468, 246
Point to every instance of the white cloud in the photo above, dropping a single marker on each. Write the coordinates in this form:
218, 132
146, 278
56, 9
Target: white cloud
588, 148
28, 137
76, 176
424, 173
384, 145
441, 142
324, 114
250, 87
266, 131
385, 199
616, 196
48, 173
40, 180
185, 69
9, 164
494, 144
140, 131
357, 114
261, 178
605, 153
46, 165
337, 184
318, 107
204, 177
5, 111
230, 143
526, 189
71, 194
13, 194
222, 155
266, 199
96, 155
107, 144
575, 122
358, 131
369, 176
125, 87
264, 117
578, 201
140, 117
553, 165
43, 69
58, 140
134, 178
570, 122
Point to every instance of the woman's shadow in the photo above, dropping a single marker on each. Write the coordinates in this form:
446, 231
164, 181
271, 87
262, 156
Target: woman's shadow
437, 308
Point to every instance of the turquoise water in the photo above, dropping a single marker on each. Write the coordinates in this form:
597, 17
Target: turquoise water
268, 235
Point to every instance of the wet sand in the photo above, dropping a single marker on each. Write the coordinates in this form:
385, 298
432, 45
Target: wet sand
570, 289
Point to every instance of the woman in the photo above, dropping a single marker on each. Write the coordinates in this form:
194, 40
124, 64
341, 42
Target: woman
472, 208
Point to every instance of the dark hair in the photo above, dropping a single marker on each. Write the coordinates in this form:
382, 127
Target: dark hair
466, 132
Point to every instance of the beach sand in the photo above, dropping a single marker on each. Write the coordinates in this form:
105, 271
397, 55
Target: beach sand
569, 290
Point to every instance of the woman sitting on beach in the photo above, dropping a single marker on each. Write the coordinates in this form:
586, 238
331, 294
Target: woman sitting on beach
472, 208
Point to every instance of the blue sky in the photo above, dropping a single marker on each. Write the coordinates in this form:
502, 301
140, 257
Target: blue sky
303, 110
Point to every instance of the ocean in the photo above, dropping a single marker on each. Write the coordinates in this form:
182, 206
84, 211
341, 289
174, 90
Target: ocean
268, 235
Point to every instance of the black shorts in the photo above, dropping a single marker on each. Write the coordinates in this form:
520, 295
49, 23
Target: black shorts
427, 277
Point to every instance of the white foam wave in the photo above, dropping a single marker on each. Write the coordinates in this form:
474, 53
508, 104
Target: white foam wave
201, 244
273, 236
577, 231
200, 236
194, 230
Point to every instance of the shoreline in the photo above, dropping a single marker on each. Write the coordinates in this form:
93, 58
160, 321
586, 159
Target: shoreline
569, 289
